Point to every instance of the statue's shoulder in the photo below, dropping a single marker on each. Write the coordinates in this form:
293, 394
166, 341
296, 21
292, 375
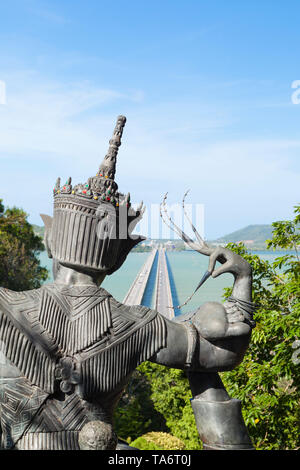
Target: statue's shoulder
10, 299
23, 341
118, 308
136, 312
18, 308
136, 334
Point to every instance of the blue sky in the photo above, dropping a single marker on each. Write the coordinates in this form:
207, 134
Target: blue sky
206, 87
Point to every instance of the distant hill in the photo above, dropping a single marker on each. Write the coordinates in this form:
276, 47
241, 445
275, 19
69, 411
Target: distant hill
38, 230
253, 236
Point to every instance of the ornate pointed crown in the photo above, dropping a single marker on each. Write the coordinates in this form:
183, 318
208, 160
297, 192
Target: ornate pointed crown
101, 187
87, 217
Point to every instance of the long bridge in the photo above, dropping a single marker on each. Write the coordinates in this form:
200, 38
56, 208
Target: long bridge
163, 295
137, 289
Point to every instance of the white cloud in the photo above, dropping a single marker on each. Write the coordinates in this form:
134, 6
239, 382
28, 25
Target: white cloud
50, 129
47, 118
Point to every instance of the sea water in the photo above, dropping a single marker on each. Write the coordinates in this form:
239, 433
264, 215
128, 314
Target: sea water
186, 268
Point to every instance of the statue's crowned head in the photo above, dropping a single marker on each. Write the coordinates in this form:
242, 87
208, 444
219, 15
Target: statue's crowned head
92, 223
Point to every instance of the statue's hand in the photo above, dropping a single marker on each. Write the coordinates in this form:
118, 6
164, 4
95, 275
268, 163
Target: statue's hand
222, 343
231, 263
225, 330
213, 321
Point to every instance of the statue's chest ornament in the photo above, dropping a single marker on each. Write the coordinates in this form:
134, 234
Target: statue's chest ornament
67, 373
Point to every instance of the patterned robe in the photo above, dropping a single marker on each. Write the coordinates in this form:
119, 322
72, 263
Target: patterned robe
66, 354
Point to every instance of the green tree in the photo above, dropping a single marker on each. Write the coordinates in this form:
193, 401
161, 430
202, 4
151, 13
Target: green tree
19, 266
171, 394
158, 441
268, 380
136, 414
157, 399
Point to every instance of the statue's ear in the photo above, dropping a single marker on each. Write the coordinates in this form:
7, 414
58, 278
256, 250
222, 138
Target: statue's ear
47, 219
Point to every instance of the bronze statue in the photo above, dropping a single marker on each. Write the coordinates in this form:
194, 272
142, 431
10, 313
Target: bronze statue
69, 348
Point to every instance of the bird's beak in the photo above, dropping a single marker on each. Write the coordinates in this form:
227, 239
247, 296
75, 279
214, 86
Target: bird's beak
205, 276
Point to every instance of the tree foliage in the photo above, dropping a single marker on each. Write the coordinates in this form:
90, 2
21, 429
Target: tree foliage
158, 441
268, 380
157, 399
136, 414
171, 397
19, 266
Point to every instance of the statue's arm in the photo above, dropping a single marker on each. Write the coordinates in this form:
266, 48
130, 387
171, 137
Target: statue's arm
216, 336
188, 348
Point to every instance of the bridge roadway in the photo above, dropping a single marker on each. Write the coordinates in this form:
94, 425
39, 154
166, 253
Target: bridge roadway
137, 289
163, 294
